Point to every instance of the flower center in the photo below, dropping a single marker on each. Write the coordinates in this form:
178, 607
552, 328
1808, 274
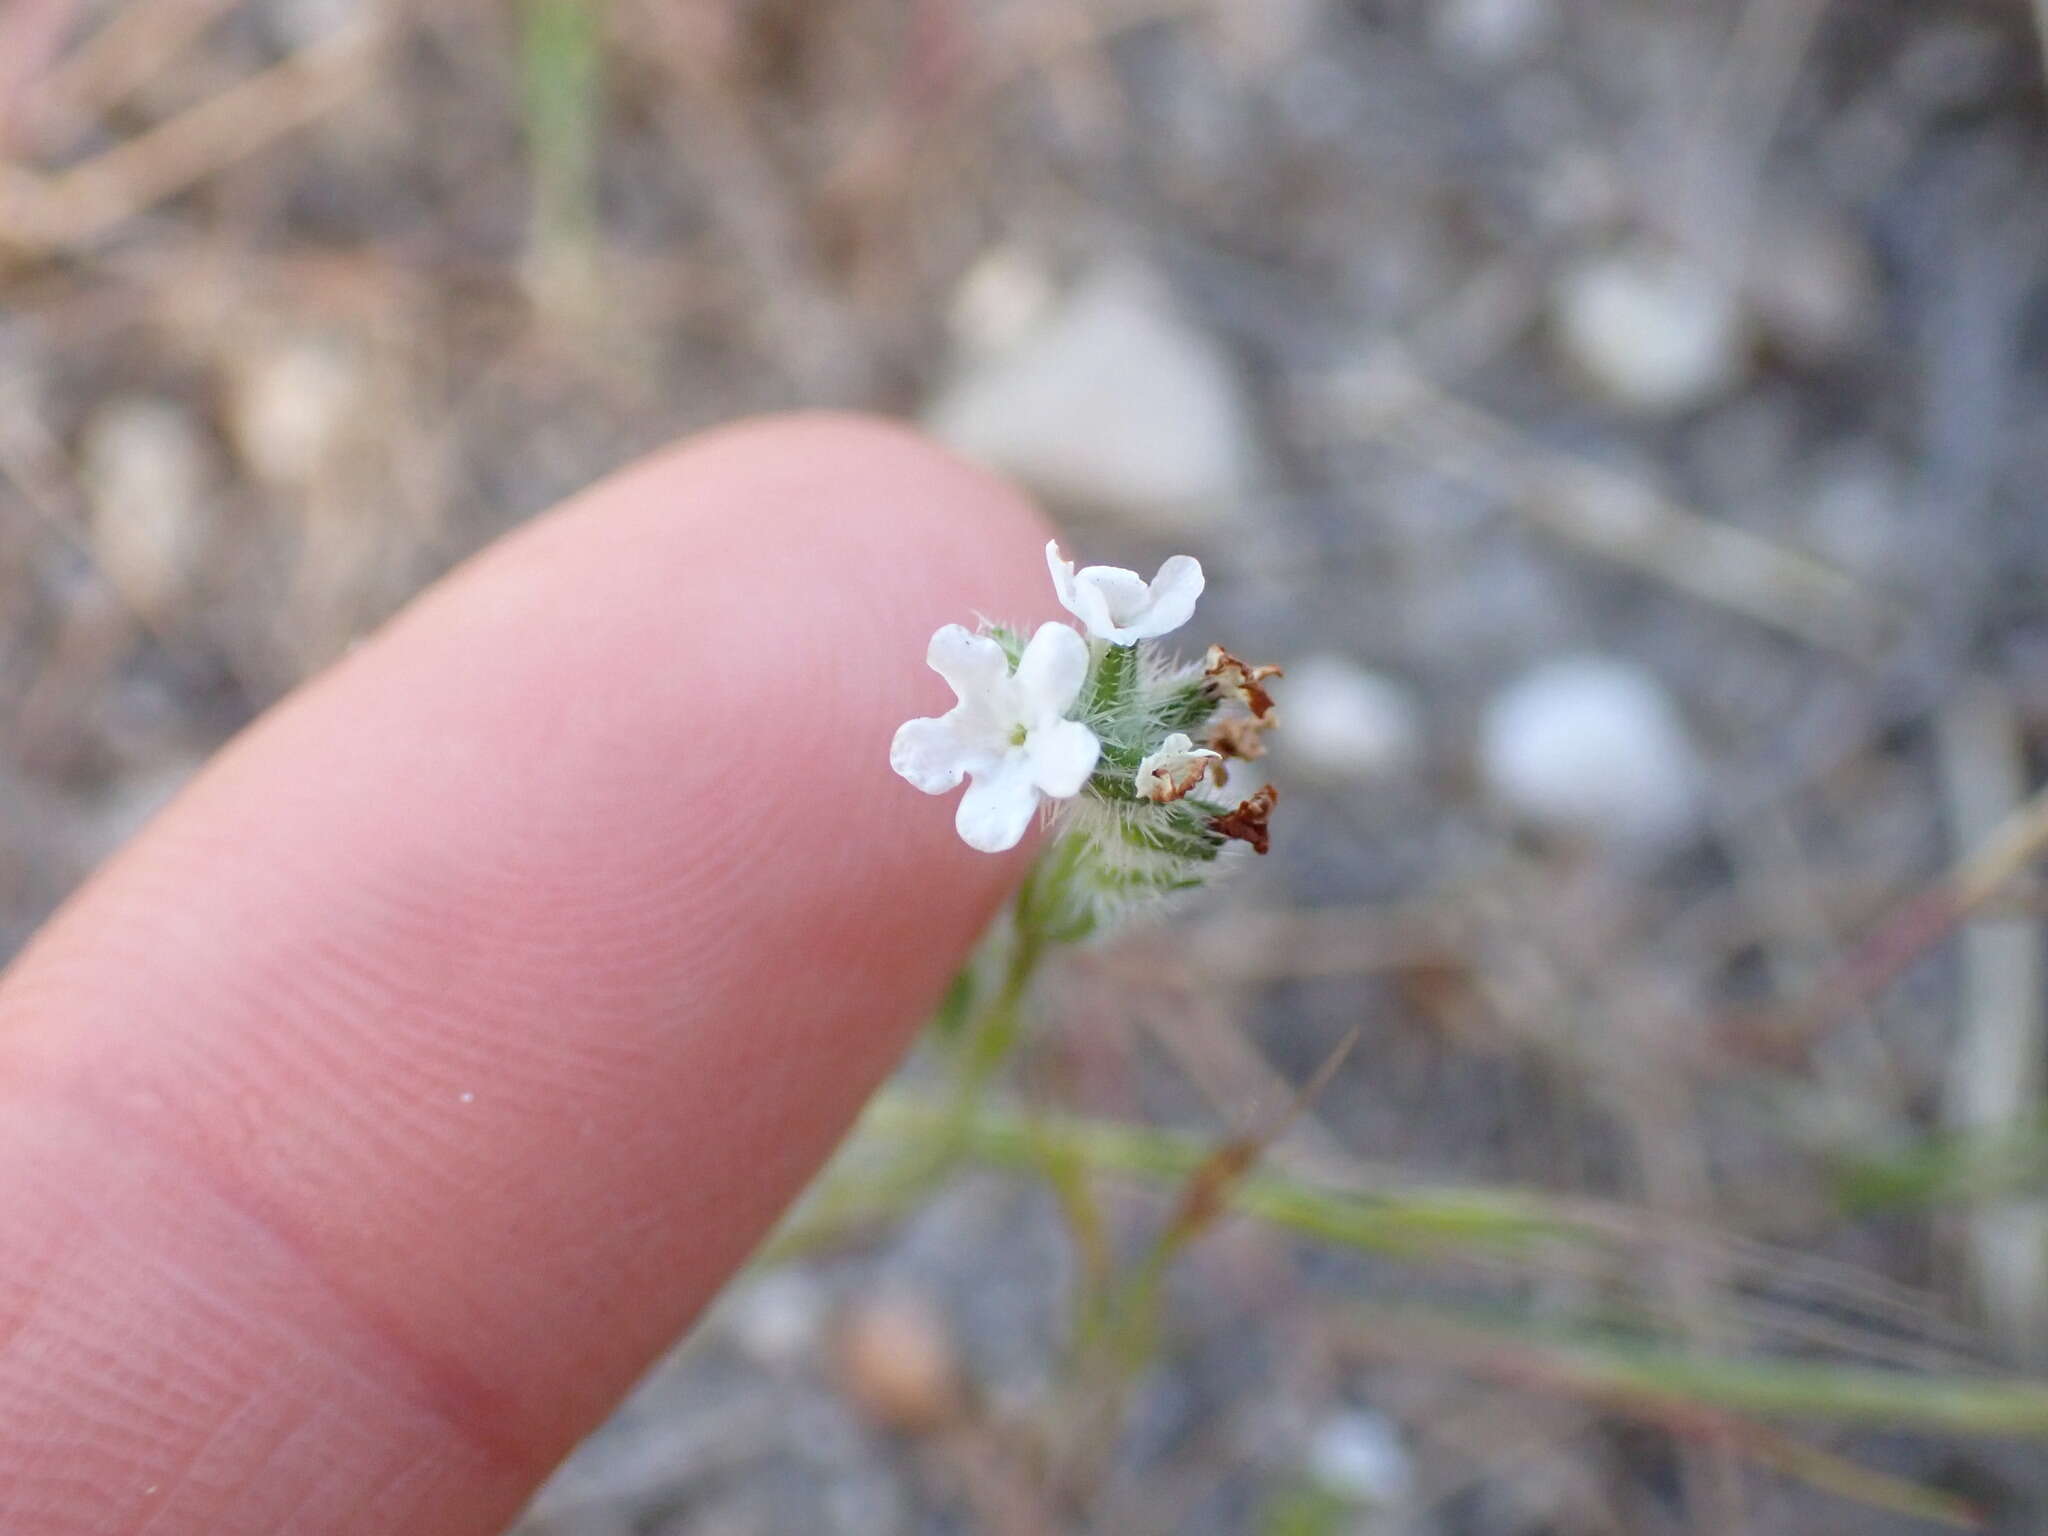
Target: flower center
1020, 735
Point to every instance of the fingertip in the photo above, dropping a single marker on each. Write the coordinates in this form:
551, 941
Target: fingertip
492, 995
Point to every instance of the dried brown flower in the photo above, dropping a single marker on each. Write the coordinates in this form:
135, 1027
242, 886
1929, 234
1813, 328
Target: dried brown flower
1231, 678
1248, 822
1238, 737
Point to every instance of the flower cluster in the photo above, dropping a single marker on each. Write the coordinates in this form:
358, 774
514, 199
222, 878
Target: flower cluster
1122, 740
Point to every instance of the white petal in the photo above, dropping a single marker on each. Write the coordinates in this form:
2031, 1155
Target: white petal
1174, 591
1092, 609
1062, 574
931, 754
1051, 671
998, 806
1079, 596
1062, 757
1124, 593
972, 665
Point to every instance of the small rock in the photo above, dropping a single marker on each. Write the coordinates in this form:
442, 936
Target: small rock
1343, 724
1490, 33
776, 1318
896, 1358
1115, 404
147, 474
1592, 748
1359, 1456
1655, 333
1005, 296
292, 406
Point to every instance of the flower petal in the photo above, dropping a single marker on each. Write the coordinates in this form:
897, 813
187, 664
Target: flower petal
1174, 591
1080, 596
998, 806
932, 754
1125, 597
1062, 757
972, 665
1062, 574
1051, 671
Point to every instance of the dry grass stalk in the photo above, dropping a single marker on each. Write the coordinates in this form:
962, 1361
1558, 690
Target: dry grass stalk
1617, 516
1996, 1068
40, 214
136, 42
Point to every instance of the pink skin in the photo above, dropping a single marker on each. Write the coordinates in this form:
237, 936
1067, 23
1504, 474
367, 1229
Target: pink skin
417, 1077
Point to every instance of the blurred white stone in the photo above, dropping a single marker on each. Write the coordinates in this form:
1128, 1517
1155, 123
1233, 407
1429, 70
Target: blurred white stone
1343, 724
1005, 296
1655, 333
146, 473
1592, 748
1490, 32
1115, 404
777, 1318
1359, 1456
292, 406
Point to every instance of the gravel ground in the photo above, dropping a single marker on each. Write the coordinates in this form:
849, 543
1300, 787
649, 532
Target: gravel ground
1626, 420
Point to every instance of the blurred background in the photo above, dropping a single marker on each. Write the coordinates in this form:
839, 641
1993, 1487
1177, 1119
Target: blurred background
1624, 420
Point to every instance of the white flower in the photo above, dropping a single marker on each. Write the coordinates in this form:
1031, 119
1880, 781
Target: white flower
1121, 606
1008, 732
1174, 770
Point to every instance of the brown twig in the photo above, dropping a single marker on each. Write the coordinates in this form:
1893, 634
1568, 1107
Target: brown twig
1918, 925
134, 43
47, 213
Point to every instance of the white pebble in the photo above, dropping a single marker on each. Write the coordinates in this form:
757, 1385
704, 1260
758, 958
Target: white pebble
1655, 333
1005, 296
1343, 724
1114, 403
1359, 1456
146, 473
1592, 748
293, 406
777, 1318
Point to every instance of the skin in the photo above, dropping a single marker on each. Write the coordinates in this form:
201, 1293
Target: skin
370, 1123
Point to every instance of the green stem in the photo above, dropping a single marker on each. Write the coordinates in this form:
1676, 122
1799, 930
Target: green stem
1113, 683
1763, 1388
997, 1028
1407, 1221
